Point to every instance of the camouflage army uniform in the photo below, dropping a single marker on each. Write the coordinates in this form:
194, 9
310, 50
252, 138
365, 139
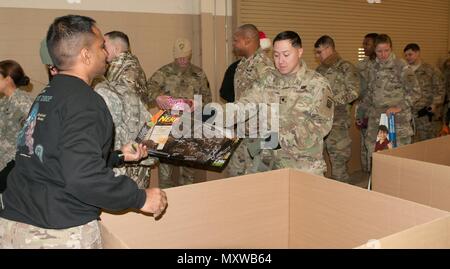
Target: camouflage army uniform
126, 69
363, 68
305, 117
19, 235
248, 71
432, 93
170, 80
344, 82
446, 75
13, 113
129, 115
391, 84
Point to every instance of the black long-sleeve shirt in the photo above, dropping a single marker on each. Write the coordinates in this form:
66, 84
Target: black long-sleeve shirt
227, 88
61, 178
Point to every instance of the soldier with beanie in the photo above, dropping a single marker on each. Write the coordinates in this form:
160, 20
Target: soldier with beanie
179, 79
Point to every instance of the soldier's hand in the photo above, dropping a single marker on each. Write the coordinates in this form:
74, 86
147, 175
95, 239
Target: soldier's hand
134, 152
156, 201
164, 102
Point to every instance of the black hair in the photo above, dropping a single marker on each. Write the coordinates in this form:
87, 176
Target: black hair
412, 46
383, 128
324, 41
293, 37
13, 69
66, 36
250, 31
119, 35
371, 36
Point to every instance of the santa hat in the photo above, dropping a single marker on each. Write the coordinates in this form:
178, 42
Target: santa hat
264, 41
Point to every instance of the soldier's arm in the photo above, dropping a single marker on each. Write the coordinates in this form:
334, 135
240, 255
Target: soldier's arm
308, 129
413, 92
351, 84
205, 90
251, 96
111, 99
438, 87
155, 85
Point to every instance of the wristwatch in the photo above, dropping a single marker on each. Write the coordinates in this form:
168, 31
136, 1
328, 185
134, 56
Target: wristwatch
121, 158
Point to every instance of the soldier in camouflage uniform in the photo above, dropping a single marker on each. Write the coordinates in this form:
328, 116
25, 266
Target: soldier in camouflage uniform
344, 82
392, 88
129, 115
14, 107
179, 79
306, 106
431, 95
124, 66
363, 68
254, 63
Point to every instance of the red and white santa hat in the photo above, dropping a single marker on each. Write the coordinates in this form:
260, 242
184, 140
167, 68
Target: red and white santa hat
264, 41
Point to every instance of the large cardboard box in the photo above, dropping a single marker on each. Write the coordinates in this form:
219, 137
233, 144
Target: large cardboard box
418, 172
278, 209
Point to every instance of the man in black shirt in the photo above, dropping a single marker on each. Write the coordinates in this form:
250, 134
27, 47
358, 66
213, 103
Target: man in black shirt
61, 179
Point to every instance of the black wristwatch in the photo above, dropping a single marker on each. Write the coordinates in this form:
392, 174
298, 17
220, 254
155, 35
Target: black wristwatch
121, 158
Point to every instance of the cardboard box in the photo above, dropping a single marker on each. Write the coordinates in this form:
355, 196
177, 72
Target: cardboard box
418, 172
278, 209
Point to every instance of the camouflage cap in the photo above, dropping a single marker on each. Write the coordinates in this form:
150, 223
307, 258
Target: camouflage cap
43, 51
182, 48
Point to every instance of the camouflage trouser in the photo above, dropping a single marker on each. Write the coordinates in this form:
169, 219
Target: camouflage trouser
20, 235
338, 144
262, 162
424, 129
165, 176
364, 164
317, 167
240, 160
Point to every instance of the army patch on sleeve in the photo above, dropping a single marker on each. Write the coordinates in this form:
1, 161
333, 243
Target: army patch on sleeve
326, 105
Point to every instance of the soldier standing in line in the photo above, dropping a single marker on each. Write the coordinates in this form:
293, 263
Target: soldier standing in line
344, 82
392, 88
62, 177
361, 110
124, 67
431, 96
253, 64
179, 79
125, 83
129, 114
14, 107
305, 102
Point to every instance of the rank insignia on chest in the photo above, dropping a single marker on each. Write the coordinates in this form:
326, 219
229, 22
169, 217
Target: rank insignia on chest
283, 99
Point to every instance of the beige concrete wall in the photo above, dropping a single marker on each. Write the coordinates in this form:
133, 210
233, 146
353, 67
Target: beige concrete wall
151, 36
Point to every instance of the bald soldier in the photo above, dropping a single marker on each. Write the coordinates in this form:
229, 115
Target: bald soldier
124, 67
432, 93
180, 79
254, 63
306, 106
344, 82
